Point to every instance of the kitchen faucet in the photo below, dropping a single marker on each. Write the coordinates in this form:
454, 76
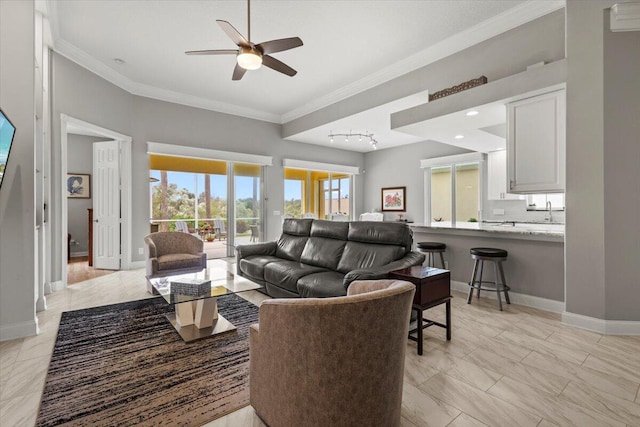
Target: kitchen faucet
547, 216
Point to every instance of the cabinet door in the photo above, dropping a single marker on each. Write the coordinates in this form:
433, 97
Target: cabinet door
536, 143
497, 177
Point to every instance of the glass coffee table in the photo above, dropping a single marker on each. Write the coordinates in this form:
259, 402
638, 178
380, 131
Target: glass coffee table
196, 307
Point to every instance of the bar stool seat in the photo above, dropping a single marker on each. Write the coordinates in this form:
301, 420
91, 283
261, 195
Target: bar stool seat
497, 256
489, 252
432, 248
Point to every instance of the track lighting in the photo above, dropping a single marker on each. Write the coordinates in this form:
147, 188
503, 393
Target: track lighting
365, 135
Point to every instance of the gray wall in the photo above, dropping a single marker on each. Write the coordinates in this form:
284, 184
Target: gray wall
76, 91
79, 160
602, 166
88, 97
169, 123
400, 167
622, 173
18, 262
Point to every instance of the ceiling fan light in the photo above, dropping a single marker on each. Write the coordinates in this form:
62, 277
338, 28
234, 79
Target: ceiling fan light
249, 60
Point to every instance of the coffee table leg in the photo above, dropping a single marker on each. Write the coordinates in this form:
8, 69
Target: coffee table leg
184, 313
206, 312
448, 308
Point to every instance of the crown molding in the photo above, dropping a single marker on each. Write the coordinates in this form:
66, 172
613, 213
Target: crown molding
85, 60
491, 27
198, 102
507, 20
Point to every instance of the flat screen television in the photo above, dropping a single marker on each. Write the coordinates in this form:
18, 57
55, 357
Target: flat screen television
7, 130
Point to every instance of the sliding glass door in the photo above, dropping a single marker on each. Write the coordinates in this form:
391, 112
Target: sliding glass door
248, 205
218, 201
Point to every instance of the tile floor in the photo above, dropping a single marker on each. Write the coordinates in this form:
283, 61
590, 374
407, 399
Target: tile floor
520, 367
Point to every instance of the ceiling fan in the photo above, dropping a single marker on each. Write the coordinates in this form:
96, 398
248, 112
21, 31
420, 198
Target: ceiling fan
251, 56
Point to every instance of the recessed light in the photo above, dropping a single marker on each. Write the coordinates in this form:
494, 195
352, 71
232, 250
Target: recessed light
118, 61
459, 136
472, 113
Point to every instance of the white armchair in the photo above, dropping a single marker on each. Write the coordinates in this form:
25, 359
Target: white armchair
372, 216
339, 217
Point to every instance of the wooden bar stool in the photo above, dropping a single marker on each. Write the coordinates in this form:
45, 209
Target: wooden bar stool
497, 256
431, 249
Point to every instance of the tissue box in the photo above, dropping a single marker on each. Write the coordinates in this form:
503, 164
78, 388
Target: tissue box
191, 287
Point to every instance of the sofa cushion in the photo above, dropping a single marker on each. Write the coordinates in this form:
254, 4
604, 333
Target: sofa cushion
323, 252
296, 227
253, 266
322, 285
178, 261
331, 229
290, 247
384, 233
285, 274
358, 255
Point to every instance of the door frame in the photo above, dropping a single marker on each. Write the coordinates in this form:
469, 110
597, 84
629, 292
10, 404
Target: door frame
125, 189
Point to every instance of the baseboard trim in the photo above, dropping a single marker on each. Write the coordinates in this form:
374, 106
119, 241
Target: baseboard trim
19, 330
521, 299
137, 264
602, 326
56, 286
79, 254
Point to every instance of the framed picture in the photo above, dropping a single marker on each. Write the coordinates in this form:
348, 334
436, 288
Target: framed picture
394, 199
78, 186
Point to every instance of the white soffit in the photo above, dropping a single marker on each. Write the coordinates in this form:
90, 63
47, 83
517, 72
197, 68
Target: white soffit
449, 160
317, 166
205, 153
625, 17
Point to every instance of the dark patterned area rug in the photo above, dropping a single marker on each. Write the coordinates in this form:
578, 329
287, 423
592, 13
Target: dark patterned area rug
124, 364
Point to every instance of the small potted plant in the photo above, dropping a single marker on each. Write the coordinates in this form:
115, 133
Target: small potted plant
209, 237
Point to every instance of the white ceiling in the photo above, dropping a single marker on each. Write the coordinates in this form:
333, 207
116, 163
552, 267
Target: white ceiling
349, 46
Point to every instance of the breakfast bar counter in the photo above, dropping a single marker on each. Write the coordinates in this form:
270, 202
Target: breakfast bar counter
551, 232
535, 270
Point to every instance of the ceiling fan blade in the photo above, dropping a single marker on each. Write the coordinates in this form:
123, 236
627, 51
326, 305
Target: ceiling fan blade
277, 65
233, 33
238, 72
279, 45
212, 52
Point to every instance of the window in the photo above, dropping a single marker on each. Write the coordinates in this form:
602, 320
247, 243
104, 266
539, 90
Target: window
336, 197
538, 202
453, 186
317, 193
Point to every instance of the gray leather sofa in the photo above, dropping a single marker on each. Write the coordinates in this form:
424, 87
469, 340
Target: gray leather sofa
317, 258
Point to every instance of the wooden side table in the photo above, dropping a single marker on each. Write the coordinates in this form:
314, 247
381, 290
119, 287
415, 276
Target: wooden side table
433, 287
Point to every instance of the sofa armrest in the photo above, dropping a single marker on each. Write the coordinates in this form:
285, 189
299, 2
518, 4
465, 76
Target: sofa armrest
382, 272
266, 248
151, 247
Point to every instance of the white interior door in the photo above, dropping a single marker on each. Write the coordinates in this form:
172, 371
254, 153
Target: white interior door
106, 205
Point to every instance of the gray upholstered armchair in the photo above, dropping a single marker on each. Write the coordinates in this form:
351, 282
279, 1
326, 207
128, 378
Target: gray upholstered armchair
332, 361
173, 252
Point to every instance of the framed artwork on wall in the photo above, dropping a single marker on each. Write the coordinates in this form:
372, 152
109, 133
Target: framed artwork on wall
78, 186
394, 199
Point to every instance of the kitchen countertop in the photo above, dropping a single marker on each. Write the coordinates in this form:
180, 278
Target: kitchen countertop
499, 229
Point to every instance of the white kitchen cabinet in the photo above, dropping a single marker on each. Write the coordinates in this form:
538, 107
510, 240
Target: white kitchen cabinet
497, 177
536, 143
